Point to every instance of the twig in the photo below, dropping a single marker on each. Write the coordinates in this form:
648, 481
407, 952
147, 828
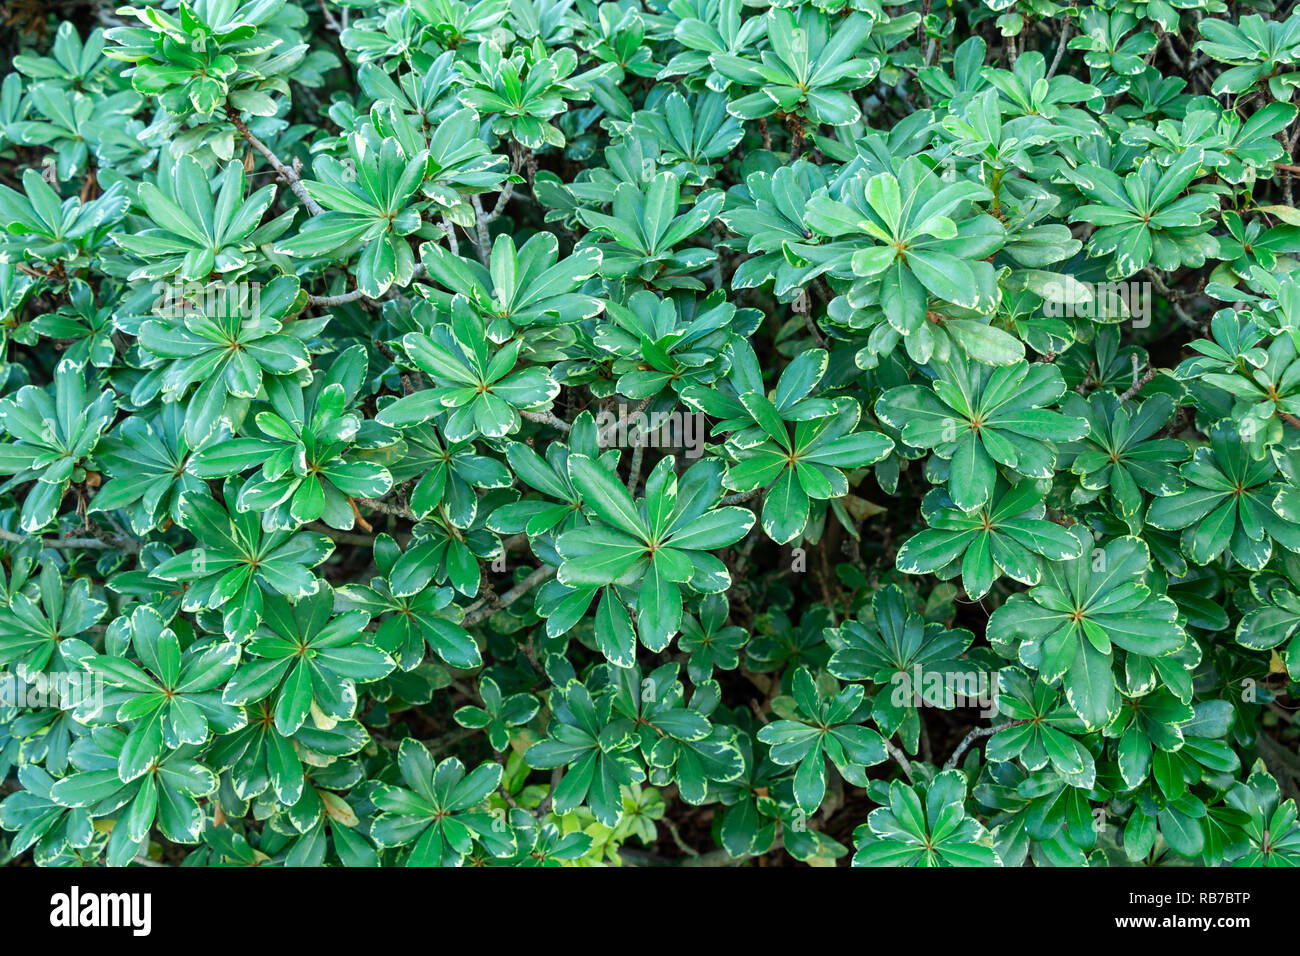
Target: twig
96, 544
331, 300
973, 736
25, 269
450, 230
603, 438
634, 470
740, 496
544, 573
330, 20
1288, 182
1175, 300
545, 806
499, 207
285, 173
1282, 712
389, 508
681, 844
547, 418
802, 305
901, 759
1138, 381
1060, 49
1173, 54
449, 739
356, 295
358, 518
483, 242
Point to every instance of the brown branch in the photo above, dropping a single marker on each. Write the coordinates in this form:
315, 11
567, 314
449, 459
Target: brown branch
389, 508
544, 573
499, 206
901, 759
110, 543
482, 239
546, 418
325, 301
1066, 33
973, 736
285, 173
1138, 381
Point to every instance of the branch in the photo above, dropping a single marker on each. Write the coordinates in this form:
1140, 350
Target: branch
802, 306
483, 240
341, 299
111, 543
544, 573
677, 838
389, 508
287, 174
1060, 49
545, 806
1138, 382
547, 418
604, 437
330, 20
902, 761
355, 295
449, 739
500, 206
634, 470
1175, 300
1169, 49
450, 230
973, 736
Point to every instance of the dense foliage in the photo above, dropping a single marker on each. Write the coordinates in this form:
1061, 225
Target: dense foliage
562, 432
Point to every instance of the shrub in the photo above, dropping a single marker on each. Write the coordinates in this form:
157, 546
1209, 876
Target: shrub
555, 432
